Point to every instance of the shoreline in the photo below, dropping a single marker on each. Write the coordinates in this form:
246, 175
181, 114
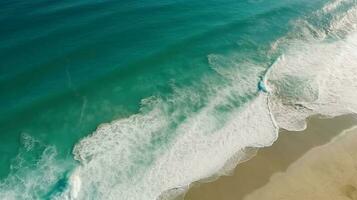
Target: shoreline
256, 172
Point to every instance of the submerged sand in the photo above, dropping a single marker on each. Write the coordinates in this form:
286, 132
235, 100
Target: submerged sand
318, 163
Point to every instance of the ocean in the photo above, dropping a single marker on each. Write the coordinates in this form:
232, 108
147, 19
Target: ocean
135, 100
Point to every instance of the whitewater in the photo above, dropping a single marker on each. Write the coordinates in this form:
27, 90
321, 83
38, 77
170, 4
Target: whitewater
177, 140
315, 75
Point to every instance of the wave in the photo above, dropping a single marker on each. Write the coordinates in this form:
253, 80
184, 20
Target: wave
44, 178
176, 141
316, 74
204, 130
137, 163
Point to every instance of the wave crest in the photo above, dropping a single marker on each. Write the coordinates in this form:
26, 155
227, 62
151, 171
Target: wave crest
190, 135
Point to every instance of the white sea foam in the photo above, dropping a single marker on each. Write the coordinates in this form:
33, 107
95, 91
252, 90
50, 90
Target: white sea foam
328, 82
146, 154
333, 5
316, 75
75, 184
191, 136
199, 149
30, 183
167, 146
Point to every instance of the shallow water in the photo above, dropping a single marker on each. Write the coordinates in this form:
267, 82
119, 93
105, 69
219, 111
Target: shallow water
177, 80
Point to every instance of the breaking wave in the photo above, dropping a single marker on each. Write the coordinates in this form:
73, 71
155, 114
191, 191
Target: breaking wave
192, 135
205, 129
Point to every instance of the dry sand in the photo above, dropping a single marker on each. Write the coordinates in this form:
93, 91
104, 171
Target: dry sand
299, 165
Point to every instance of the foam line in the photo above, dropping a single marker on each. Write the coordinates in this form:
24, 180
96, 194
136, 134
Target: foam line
174, 142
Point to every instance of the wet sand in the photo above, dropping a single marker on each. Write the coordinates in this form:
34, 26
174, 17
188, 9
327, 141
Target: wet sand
296, 166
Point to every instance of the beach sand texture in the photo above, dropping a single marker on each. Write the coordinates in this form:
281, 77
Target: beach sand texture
317, 163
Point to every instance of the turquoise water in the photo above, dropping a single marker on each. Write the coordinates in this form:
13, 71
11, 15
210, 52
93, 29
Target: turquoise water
161, 68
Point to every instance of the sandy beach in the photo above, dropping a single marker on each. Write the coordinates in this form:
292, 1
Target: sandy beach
317, 163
